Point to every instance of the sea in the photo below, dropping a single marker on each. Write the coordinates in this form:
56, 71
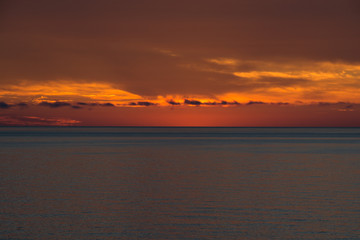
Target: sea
179, 183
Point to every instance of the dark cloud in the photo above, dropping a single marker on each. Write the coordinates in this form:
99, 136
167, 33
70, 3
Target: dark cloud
76, 107
332, 103
210, 103
198, 103
221, 103
95, 104
229, 103
22, 104
107, 105
172, 102
143, 103
281, 103
255, 102
54, 104
4, 105
192, 102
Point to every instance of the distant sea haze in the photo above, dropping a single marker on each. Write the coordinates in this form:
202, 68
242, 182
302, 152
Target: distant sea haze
179, 183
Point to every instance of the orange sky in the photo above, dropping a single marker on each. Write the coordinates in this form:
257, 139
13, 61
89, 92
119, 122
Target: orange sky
172, 63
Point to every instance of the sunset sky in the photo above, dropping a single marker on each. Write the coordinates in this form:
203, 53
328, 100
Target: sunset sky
180, 63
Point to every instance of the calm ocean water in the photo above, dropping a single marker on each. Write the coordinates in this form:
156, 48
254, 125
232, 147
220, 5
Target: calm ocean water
179, 183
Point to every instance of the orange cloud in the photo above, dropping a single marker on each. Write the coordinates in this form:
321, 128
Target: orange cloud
305, 81
66, 91
291, 82
224, 61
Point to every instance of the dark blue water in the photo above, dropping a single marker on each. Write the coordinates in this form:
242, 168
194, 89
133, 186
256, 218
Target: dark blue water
179, 183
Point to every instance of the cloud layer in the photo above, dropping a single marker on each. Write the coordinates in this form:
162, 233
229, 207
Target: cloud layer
180, 54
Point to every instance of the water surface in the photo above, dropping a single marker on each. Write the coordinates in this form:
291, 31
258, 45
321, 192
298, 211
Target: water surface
179, 183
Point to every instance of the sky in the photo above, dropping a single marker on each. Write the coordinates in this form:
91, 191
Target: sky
180, 63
